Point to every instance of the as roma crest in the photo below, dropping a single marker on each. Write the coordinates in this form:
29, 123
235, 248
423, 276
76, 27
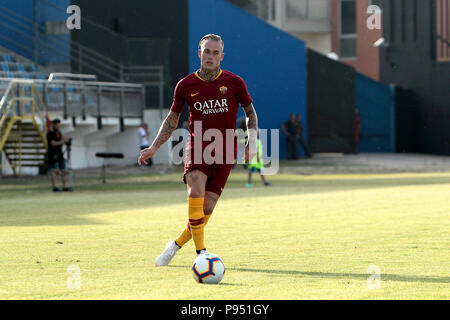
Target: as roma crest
223, 90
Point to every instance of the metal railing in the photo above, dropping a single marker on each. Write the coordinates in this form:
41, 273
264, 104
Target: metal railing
21, 99
81, 58
74, 98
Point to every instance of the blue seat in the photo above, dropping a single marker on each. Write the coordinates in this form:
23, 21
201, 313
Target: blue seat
7, 57
20, 67
4, 65
30, 68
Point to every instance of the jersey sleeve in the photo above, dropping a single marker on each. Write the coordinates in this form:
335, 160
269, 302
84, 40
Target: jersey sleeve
243, 96
178, 98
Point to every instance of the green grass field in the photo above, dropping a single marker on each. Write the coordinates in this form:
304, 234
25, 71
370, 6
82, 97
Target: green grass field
306, 237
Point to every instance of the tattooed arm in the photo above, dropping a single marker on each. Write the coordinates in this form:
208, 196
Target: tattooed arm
252, 130
165, 131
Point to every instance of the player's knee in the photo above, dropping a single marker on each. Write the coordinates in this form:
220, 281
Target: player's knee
194, 192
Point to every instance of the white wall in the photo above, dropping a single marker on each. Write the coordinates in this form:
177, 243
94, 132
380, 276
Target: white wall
320, 42
7, 171
127, 143
87, 140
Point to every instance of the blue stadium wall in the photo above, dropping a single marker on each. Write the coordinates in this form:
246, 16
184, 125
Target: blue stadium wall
271, 62
20, 41
17, 28
376, 104
53, 10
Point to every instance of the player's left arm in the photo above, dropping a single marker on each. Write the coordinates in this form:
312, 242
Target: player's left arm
252, 130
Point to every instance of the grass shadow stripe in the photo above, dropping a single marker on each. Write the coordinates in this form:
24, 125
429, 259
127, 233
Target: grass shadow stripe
387, 277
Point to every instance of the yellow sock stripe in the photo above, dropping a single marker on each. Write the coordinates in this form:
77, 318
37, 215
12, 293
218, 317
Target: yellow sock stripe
196, 202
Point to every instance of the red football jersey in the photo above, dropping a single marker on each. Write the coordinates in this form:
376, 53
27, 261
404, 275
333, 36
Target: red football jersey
214, 103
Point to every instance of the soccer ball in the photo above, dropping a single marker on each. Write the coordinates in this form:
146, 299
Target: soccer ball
208, 268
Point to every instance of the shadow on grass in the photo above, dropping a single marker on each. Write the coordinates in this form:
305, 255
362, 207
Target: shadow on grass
232, 284
220, 284
362, 276
387, 277
40, 206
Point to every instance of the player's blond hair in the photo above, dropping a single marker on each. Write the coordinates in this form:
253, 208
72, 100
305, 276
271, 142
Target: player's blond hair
211, 36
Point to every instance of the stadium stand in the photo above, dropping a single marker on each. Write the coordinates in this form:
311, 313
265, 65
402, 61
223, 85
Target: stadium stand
30, 91
11, 67
95, 111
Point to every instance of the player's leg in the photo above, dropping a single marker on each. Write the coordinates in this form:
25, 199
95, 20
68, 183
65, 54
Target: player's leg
53, 179
211, 199
196, 184
250, 171
210, 202
263, 179
53, 175
196, 181
305, 147
214, 187
62, 168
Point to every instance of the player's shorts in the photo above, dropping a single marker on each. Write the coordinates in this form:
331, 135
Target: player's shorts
217, 175
253, 169
59, 164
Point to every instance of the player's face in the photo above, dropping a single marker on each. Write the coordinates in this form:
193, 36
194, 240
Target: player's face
210, 54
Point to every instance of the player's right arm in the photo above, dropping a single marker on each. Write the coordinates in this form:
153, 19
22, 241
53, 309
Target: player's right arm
168, 126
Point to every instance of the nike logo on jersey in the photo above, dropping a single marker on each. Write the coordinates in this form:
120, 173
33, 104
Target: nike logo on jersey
194, 94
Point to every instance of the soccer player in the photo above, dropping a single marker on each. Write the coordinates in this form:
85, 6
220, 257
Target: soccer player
213, 96
257, 164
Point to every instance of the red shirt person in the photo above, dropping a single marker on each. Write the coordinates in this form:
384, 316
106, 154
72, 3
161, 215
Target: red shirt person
213, 96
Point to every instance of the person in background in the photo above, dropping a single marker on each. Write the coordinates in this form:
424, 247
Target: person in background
299, 127
257, 164
290, 130
241, 139
55, 155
